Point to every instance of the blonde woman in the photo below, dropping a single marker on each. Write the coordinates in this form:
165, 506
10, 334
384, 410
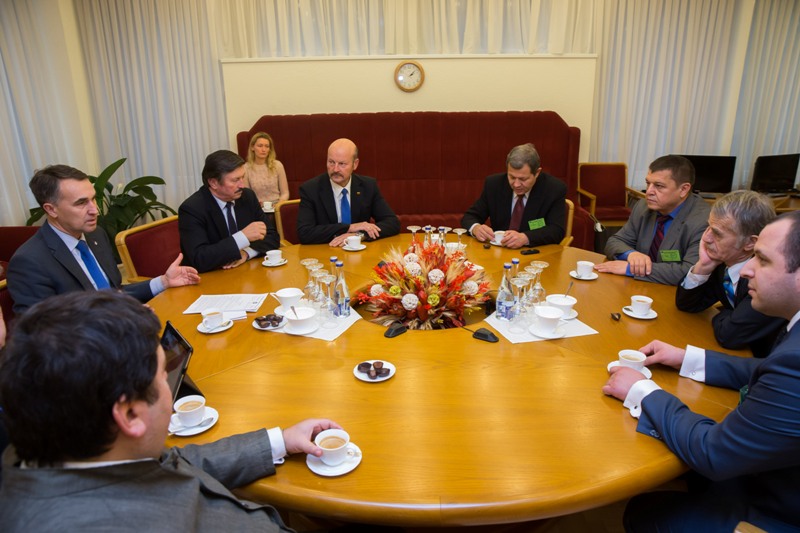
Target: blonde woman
264, 174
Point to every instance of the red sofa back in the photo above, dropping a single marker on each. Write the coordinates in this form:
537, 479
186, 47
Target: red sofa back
430, 165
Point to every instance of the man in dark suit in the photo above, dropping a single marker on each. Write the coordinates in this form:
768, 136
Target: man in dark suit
222, 225
735, 221
660, 240
339, 203
69, 252
87, 434
751, 457
524, 201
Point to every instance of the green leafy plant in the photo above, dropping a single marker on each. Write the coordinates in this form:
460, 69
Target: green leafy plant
122, 209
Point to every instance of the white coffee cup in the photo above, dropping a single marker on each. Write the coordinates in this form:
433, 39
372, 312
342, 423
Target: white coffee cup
212, 318
584, 269
288, 297
301, 318
274, 256
560, 301
498, 236
353, 241
640, 305
547, 318
632, 358
190, 409
267, 206
333, 443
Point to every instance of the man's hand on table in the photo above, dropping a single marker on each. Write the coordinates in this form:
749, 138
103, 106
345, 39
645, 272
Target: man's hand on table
640, 264
240, 261
620, 381
663, 353
300, 437
515, 239
483, 233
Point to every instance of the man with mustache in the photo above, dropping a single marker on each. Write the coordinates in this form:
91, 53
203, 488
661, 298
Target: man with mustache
340, 203
222, 225
69, 252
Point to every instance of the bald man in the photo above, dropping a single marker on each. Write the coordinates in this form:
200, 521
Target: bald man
340, 203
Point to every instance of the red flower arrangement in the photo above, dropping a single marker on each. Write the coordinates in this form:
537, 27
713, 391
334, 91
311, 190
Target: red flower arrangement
429, 289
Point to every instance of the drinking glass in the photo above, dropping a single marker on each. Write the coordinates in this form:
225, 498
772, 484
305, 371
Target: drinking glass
414, 230
327, 313
319, 294
310, 290
459, 232
518, 322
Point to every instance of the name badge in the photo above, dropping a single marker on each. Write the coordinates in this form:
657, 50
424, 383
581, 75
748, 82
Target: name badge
536, 224
670, 256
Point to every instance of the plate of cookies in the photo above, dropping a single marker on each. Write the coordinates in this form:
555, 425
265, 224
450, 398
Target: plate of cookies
374, 370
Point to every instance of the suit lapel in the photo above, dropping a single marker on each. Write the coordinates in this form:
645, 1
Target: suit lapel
356, 200
329, 201
62, 254
216, 214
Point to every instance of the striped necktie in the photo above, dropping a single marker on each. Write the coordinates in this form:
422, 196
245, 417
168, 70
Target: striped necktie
727, 284
658, 237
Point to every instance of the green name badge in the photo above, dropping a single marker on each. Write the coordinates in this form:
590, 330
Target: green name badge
536, 224
670, 256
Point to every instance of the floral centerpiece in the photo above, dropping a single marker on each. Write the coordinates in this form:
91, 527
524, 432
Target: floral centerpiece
424, 288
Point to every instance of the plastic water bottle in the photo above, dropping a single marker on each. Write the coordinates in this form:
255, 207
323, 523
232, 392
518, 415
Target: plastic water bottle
505, 295
341, 294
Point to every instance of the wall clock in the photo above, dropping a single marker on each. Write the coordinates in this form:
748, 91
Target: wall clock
409, 76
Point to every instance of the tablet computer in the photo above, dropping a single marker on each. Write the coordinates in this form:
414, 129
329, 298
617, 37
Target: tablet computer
177, 352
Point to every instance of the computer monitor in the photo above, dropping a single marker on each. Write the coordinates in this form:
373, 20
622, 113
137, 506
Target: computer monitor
712, 173
775, 173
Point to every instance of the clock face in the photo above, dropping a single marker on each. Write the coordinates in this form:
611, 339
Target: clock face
409, 76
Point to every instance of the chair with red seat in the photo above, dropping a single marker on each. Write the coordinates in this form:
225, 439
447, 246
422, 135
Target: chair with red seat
286, 220
148, 250
603, 190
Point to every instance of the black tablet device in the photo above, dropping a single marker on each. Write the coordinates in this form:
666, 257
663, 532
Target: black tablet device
177, 352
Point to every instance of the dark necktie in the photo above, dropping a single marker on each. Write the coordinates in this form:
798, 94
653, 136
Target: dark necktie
516, 214
345, 208
232, 228
727, 284
658, 237
100, 280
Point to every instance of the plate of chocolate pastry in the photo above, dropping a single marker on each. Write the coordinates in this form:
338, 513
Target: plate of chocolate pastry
374, 370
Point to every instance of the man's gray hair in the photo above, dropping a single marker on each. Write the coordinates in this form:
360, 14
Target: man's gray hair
524, 154
749, 210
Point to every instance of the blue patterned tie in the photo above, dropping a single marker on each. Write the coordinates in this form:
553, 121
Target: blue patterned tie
727, 284
92, 266
345, 208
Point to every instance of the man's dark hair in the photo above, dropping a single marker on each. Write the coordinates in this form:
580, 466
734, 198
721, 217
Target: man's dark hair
45, 183
791, 246
681, 168
70, 359
220, 163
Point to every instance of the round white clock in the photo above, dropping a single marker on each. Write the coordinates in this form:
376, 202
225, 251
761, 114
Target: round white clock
409, 76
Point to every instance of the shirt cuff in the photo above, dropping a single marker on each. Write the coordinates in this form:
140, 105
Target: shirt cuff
694, 364
277, 444
472, 227
250, 252
638, 392
241, 241
156, 286
693, 280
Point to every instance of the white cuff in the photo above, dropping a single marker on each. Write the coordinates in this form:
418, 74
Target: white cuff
694, 364
693, 280
277, 444
472, 227
241, 241
640, 389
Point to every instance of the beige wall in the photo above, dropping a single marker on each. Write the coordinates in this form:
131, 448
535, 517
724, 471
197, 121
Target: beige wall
465, 83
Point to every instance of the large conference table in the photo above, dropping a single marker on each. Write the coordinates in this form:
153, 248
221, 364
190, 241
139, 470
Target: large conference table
466, 432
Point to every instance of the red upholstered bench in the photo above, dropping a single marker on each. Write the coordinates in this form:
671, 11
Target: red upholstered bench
430, 165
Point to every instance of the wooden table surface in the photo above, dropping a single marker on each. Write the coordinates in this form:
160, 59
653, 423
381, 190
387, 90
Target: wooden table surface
466, 432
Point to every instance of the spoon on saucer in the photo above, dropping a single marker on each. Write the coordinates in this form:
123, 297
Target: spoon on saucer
203, 423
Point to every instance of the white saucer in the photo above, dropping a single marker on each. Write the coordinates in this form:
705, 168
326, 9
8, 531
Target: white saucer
493, 243
270, 328
222, 327
557, 334
270, 264
316, 465
356, 249
650, 316
591, 276
314, 326
645, 371
188, 432
365, 377
569, 316
270, 210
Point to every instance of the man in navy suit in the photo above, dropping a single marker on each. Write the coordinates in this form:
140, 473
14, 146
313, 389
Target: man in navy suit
69, 252
222, 225
524, 201
752, 457
339, 203
735, 221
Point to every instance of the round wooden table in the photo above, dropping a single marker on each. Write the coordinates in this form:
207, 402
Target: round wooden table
466, 432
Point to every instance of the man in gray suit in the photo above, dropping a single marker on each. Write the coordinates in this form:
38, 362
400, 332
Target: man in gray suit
87, 407
661, 239
70, 252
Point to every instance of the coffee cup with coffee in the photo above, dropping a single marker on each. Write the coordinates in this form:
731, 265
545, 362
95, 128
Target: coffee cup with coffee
274, 256
333, 443
632, 359
584, 269
190, 410
640, 305
267, 206
353, 241
498, 236
212, 318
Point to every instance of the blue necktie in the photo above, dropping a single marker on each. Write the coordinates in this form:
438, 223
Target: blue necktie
232, 228
727, 284
92, 266
345, 208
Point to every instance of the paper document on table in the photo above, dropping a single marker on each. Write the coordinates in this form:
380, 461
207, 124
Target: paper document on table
245, 303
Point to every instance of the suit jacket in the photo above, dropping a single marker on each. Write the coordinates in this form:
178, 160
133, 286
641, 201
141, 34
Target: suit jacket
43, 266
684, 235
316, 218
205, 241
546, 201
184, 490
756, 445
735, 326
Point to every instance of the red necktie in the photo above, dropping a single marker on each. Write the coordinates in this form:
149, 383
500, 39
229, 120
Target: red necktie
516, 214
659, 236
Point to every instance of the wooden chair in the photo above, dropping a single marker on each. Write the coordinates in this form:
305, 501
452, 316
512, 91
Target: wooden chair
603, 190
567, 240
6, 304
148, 250
286, 221
747, 527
